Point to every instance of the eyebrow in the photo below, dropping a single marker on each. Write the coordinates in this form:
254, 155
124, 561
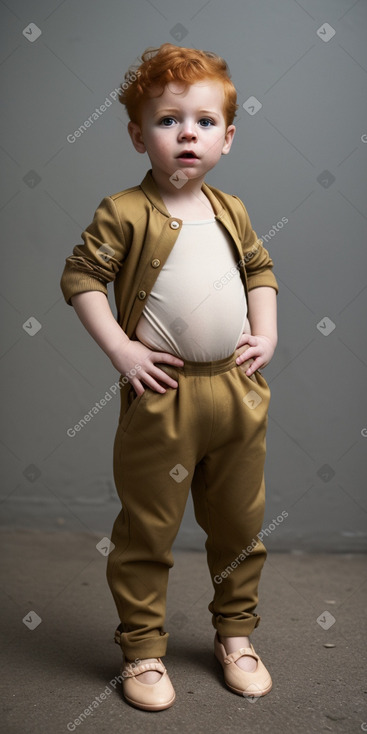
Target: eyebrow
165, 111
208, 112
173, 110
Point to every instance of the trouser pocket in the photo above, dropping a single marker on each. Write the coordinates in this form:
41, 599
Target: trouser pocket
133, 402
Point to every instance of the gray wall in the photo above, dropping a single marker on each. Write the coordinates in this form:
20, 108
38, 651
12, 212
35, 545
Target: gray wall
299, 160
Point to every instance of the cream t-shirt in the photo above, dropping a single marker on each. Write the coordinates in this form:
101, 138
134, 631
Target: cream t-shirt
197, 309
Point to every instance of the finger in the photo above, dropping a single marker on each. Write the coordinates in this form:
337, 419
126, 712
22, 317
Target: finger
144, 380
162, 376
138, 387
257, 363
155, 377
167, 359
245, 339
150, 382
247, 354
242, 341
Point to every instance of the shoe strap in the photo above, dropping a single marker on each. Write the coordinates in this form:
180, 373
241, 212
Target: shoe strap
131, 672
242, 652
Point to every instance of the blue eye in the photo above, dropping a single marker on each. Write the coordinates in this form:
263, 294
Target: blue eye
167, 121
205, 122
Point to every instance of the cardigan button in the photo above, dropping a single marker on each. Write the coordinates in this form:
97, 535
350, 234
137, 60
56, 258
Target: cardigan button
142, 295
155, 263
174, 224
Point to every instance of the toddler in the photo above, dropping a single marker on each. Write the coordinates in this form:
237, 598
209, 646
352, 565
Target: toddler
196, 321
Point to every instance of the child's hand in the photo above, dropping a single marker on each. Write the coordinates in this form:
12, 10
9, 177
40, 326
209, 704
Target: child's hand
261, 350
132, 353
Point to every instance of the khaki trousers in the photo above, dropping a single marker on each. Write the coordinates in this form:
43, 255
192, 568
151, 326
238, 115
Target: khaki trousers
209, 434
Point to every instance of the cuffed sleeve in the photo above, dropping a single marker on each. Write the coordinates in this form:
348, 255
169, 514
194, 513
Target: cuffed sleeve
257, 260
95, 263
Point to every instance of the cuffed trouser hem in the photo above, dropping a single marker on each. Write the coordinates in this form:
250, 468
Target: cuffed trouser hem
152, 646
235, 628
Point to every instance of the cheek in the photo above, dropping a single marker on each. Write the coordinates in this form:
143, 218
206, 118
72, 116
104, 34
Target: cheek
161, 143
216, 146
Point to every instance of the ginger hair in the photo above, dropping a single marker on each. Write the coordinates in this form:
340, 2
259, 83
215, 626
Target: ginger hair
170, 63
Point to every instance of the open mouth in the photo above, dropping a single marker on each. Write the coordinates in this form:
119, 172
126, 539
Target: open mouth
187, 154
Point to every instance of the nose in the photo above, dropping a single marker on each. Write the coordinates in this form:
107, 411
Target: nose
187, 131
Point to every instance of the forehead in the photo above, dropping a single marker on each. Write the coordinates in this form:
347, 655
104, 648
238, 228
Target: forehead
206, 93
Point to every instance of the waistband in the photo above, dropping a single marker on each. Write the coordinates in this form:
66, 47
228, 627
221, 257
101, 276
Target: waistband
204, 368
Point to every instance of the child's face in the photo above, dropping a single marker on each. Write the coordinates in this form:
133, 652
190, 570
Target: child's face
180, 122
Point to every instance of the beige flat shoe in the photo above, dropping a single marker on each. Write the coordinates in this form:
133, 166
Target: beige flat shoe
147, 696
243, 682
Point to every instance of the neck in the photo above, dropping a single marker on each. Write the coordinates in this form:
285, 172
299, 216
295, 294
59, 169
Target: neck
167, 189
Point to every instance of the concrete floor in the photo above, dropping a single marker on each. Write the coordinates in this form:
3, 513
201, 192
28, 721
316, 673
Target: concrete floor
53, 672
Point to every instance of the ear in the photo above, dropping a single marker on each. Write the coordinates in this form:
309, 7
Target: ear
228, 140
136, 137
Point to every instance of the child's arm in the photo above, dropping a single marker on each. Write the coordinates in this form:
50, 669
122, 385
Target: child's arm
95, 314
262, 315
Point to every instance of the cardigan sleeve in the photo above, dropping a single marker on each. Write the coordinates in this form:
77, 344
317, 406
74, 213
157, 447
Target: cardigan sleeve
95, 263
257, 260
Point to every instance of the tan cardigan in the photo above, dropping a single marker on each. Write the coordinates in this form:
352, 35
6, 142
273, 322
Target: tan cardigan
138, 234
137, 226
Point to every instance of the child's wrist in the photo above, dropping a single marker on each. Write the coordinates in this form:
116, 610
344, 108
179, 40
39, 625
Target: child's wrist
118, 348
